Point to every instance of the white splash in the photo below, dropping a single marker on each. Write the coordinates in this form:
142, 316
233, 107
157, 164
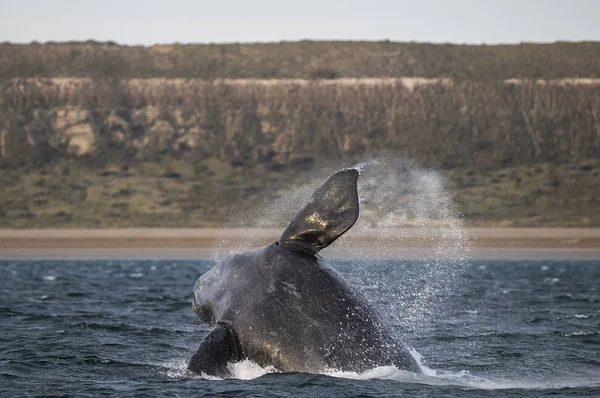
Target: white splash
176, 368
397, 195
450, 378
248, 370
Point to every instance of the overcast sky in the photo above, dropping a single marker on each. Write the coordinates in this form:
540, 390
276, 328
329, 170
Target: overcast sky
195, 21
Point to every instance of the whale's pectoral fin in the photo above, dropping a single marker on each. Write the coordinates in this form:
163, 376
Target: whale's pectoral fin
219, 348
331, 211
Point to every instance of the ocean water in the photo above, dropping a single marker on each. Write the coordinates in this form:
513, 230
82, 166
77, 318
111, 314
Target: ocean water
126, 328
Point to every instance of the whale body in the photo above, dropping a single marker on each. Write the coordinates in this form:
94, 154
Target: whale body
282, 305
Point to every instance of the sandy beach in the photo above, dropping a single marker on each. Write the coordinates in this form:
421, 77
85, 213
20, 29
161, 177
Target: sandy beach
376, 243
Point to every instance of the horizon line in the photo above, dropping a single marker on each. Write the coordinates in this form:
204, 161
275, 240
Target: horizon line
121, 44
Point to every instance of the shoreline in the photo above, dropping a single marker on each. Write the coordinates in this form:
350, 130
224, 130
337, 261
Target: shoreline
189, 243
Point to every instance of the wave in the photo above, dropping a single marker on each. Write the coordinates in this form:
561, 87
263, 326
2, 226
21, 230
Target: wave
249, 370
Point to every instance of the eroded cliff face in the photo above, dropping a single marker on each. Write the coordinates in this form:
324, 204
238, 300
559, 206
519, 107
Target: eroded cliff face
273, 123
175, 152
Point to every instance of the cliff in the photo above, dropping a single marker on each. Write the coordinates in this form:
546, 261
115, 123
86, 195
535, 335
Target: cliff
275, 122
89, 136
76, 151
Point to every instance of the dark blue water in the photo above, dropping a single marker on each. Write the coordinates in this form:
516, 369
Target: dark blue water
126, 328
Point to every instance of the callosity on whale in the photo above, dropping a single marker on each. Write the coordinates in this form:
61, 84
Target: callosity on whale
282, 305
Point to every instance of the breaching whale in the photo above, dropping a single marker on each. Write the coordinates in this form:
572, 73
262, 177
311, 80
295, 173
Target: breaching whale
282, 305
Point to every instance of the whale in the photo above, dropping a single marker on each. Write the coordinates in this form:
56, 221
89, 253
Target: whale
284, 306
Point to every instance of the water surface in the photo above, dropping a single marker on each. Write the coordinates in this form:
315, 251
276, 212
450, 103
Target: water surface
125, 327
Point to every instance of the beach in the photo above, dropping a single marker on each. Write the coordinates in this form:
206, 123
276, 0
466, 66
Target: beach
577, 243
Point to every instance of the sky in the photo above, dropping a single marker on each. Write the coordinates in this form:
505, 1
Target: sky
148, 22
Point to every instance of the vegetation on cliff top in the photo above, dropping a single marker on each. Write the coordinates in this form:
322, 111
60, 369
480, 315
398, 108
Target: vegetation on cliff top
305, 59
